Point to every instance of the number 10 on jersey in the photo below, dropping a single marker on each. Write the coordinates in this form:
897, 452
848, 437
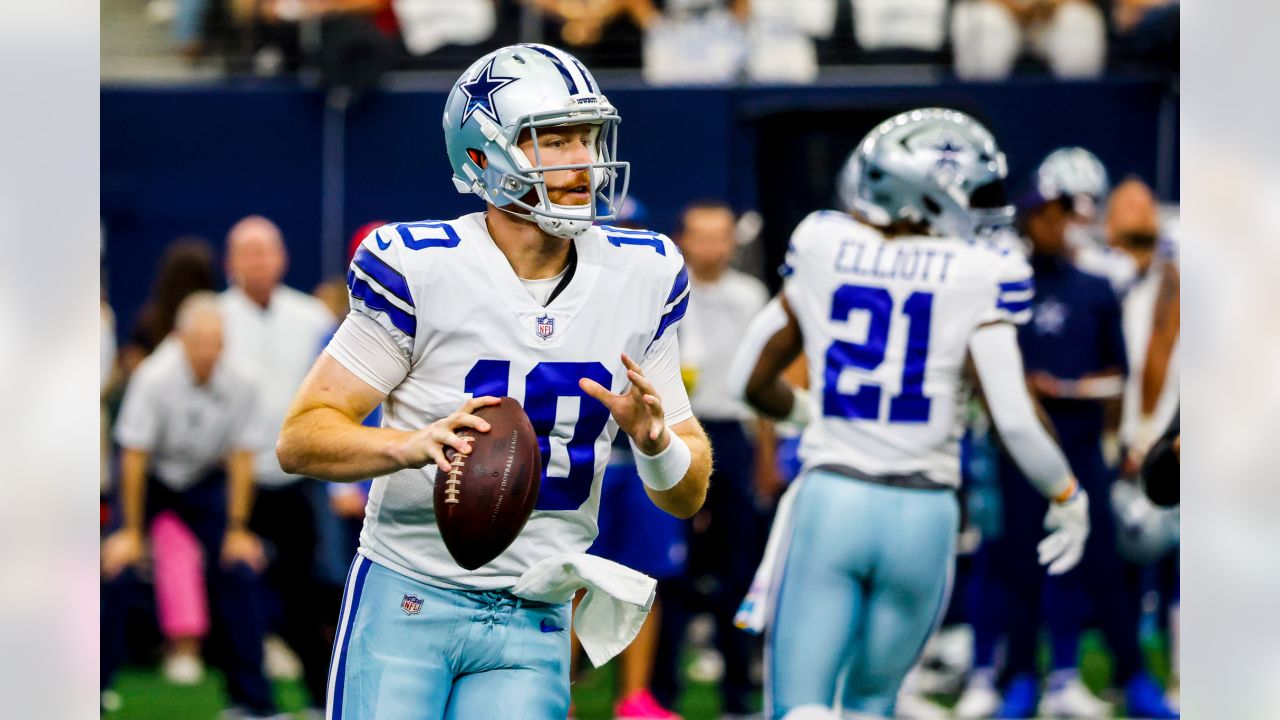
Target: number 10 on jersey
544, 386
910, 404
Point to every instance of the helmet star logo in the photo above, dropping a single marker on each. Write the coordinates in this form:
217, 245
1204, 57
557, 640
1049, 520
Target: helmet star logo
948, 155
480, 92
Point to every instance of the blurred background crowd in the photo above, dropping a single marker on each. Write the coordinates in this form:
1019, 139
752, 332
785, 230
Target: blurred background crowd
238, 173
352, 42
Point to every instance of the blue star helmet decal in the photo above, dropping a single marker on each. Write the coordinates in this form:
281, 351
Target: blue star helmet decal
948, 155
480, 93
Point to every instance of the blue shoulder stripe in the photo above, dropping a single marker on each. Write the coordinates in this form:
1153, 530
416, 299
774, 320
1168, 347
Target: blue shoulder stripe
1018, 285
365, 293
671, 318
682, 282
385, 275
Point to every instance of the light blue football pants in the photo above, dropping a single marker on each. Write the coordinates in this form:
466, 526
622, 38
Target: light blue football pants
410, 651
867, 573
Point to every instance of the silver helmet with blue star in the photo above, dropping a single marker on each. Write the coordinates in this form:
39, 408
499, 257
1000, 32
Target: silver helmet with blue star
518, 89
1075, 175
933, 166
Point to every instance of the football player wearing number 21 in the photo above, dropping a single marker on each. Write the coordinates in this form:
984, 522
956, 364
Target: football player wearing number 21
890, 300
532, 298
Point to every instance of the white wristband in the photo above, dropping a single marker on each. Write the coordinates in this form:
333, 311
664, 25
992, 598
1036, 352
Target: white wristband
666, 469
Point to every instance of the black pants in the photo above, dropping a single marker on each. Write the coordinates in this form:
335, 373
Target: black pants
235, 638
300, 608
723, 557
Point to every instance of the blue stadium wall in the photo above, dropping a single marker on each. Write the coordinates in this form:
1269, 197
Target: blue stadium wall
182, 160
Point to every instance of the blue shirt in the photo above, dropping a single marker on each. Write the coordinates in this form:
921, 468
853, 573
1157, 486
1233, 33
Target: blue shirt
1075, 330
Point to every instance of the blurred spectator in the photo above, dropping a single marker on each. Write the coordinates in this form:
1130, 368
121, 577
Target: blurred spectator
1151, 315
273, 333
600, 33
694, 41
1147, 32
429, 25
1148, 532
1075, 359
724, 544
780, 38
349, 42
188, 430
717, 41
185, 267
988, 36
899, 24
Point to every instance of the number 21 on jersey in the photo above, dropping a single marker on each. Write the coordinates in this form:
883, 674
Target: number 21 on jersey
910, 404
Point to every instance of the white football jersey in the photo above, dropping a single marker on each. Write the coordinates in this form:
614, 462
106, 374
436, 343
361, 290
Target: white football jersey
886, 326
465, 325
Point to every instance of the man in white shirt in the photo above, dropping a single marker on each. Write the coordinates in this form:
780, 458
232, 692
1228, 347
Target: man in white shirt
722, 303
187, 430
273, 334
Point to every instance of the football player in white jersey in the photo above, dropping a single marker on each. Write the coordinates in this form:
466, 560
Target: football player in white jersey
889, 301
529, 298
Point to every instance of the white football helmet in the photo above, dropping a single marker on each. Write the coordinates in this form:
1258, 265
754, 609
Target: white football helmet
1076, 175
932, 165
527, 87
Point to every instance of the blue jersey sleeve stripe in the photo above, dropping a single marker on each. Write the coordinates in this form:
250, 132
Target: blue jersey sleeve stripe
672, 317
365, 293
385, 275
1014, 306
1017, 285
682, 282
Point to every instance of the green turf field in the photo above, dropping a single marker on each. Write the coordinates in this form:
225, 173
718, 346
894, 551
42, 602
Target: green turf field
146, 696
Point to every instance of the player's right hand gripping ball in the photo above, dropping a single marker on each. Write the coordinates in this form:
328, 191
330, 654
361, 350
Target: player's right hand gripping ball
484, 502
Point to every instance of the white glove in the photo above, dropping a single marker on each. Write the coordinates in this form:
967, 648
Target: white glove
1068, 523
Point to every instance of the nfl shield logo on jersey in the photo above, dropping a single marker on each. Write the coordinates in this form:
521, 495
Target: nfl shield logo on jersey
411, 604
546, 326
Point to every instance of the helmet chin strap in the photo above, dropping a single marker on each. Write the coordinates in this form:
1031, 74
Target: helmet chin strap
552, 226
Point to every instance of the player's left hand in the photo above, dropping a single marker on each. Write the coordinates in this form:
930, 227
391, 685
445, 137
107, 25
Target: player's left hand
1068, 523
637, 410
242, 546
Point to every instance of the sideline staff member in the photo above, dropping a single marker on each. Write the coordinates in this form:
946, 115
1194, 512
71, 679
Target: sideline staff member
187, 430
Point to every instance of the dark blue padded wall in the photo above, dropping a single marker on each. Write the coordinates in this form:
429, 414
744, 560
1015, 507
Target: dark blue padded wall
193, 159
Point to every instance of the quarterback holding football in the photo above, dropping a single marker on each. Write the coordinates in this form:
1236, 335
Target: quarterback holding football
533, 299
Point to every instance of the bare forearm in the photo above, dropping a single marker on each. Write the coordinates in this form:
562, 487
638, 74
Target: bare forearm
322, 442
686, 498
772, 342
772, 398
133, 488
240, 489
1164, 336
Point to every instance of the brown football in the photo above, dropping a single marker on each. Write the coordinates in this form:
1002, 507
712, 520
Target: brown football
484, 502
